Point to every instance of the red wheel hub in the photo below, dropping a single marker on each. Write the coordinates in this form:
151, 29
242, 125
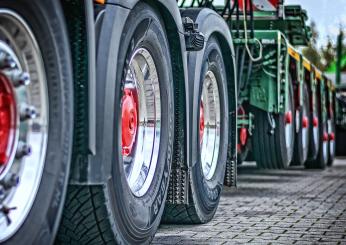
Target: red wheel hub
129, 120
305, 122
331, 136
7, 120
315, 122
201, 122
288, 117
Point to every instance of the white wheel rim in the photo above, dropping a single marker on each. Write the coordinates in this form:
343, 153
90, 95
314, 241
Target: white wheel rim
210, 137
32, 121
140, 160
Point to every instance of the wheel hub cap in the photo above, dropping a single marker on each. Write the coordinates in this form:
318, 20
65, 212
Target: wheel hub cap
305, 122
315, 122
141, 122
7, 120
129, 120
201, 122
24, 120
210, 124
288, 117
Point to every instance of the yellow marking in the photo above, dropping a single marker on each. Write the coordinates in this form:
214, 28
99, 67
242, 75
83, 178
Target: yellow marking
100, 1
293, 53
307, 64
318, 74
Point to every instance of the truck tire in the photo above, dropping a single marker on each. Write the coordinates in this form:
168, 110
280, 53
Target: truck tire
36, 99
322, 156
301, 146
314, 131
211, 131
274, 150
128, 208
331, 144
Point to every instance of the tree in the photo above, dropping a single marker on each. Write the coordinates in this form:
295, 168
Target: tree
311, 51
328, 53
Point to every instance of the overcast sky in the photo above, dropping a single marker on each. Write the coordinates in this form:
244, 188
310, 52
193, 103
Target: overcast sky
327, 14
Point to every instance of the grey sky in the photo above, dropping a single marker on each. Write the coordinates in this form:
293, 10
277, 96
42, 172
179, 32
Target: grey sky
327, 14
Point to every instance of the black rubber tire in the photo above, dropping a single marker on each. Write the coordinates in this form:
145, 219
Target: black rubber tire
314, 138
331, 144
46, 21
112, 214
340, 141
270, 151
204, 194
322, 156
300, 154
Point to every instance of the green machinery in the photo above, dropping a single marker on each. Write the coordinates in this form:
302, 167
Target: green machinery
286, 105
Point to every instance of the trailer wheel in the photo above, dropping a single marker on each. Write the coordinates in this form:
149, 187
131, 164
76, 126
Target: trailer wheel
211, 141
322, 156
128, 208
331, 145
301, 146
36, 120
273, 148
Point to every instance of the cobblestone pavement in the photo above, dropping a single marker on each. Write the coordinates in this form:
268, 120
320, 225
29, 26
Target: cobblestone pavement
294, 206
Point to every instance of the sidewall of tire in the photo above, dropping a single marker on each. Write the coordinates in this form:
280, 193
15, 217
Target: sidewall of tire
136, 219
206, 193
47, 23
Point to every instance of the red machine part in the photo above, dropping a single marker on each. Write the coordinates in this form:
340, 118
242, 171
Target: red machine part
243, 132
129, 120
7, 119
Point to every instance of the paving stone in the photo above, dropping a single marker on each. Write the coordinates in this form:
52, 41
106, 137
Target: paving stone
294, 206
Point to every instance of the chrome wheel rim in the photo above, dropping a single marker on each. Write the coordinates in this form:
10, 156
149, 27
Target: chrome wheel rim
22, 66
305, 131
331, 138
315, 131
141, 121
210, 131
289, 130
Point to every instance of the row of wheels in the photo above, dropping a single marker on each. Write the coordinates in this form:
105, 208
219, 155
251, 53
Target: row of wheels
37, 121
303, 135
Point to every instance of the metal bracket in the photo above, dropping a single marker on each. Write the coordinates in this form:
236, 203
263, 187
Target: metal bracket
193, 38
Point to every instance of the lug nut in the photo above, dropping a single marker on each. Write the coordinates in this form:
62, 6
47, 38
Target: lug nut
10, 180
28, 112
6, 61
23, 150
19, 78
2, 192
